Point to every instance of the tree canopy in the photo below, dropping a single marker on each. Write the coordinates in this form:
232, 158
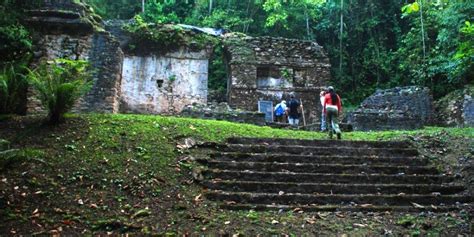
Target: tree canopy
371, 44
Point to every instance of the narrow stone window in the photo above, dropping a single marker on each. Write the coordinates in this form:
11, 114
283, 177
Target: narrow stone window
272, 77
159, 82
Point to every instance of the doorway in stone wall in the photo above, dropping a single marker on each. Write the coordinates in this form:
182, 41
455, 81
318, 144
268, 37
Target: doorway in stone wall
218, 76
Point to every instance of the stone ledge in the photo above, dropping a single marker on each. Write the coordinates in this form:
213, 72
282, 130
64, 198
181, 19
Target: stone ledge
367, 120
222, 111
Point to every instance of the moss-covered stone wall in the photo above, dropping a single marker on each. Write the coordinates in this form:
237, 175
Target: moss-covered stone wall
266, 68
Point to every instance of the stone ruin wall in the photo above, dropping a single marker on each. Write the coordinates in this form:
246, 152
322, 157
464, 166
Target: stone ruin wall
267, 68
400, 108
123, 82
62, 30
456, 109
164, 83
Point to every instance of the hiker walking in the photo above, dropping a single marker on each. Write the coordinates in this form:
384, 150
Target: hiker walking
280, 112
293, 113
323, 115
332, 108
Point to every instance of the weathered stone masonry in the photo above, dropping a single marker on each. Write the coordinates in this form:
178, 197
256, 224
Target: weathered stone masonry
160, 81
150, 79
164, 83
266, 68
65, 29
396, 108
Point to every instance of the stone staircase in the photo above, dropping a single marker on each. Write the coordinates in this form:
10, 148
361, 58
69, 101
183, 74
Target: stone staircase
327, 175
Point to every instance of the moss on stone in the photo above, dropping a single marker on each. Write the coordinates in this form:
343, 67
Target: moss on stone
237, 44
164, 38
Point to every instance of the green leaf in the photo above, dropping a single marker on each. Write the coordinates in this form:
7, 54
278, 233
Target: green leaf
405, 8
415, 7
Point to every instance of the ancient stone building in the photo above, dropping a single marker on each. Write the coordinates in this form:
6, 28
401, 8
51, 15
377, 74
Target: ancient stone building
400, 108
456, 108
266, 68
135, 74
142, 80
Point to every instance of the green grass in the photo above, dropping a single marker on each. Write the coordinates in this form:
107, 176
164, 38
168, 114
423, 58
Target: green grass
218, 131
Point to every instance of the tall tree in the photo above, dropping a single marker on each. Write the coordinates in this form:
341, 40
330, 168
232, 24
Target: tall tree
340, 35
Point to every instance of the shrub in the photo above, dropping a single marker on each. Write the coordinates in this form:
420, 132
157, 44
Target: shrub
13, 86
60, 84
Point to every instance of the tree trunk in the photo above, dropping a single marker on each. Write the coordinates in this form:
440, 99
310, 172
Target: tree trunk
307, 24
340, 38
210, 7
422, 30
55, 117
246, 26
143, 6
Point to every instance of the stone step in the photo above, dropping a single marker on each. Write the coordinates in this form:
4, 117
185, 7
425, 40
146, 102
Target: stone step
321, 159
337, 199
319, 143
332, 188
326, 177
307, 150
339, 208
320, 168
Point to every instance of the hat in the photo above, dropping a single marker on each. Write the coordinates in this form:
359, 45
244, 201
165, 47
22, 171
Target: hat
330, 88
292, 95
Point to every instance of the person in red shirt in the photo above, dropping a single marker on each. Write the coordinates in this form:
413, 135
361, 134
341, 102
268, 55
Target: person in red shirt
332, 108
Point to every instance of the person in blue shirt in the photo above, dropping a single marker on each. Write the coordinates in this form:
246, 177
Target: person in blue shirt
280, 112
293, 111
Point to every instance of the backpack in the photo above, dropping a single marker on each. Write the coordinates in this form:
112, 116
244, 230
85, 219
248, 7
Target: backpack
279, 110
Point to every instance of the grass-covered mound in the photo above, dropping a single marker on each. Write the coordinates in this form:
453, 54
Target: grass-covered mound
129, 173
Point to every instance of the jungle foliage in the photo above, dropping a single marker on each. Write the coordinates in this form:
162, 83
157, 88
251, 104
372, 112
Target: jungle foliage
60, 84
13, 89
15, 39
371, 44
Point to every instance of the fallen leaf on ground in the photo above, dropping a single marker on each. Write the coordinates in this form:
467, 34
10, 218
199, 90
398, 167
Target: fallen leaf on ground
198, 198
311, 220
142, 212
67, 222
58, 210
274, 222
417, 205
359, 225
227, 222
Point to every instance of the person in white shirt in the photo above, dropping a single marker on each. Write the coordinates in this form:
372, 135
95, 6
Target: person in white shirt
323, 115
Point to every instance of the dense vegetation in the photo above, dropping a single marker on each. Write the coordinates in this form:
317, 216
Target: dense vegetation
59, 85
371, 44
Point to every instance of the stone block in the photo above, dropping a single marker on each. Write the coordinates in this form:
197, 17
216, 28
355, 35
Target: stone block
468, 111
374, 120
403, 108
